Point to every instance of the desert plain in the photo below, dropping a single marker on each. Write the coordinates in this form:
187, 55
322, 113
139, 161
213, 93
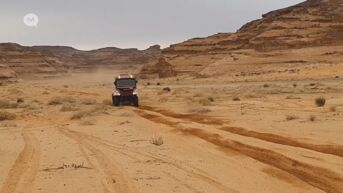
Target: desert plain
217, 136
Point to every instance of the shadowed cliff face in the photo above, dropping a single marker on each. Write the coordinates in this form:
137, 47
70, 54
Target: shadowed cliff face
48, 60
308, 24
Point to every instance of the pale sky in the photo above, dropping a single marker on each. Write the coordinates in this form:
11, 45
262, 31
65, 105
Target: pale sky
92, 24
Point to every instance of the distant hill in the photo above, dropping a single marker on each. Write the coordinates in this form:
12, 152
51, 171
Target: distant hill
17, 60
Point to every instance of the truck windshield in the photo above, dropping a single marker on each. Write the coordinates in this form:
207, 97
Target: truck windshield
126, 83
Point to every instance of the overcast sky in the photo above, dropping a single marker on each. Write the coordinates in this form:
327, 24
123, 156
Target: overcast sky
91, 24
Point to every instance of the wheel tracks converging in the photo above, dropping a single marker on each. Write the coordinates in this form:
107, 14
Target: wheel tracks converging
318, 177
23, 172
327, 149
336, 150
195, 172
115, 180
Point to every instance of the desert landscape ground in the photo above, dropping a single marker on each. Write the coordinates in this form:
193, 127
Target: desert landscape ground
252, 136
259, 110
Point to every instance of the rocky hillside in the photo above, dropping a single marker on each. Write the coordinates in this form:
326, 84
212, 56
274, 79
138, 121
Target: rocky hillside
308, 24
307, 33
17, 60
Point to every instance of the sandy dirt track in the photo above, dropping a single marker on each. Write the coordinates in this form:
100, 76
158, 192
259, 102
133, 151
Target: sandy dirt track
218, 137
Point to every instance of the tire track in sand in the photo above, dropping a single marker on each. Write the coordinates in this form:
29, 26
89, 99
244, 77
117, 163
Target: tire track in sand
315, 176
22, 173
115, 180
336, 150
195, 172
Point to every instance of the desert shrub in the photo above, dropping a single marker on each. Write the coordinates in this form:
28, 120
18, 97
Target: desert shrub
295, 85
148, 83
156, 140
158, 84
312, 118
291, 117
4, 115
211, 99
236, 99
167, 89
4, 104
61, 100
20, 100
265, 85
320, 101
333, 109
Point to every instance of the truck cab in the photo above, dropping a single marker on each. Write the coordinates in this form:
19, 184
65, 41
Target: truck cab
125, 90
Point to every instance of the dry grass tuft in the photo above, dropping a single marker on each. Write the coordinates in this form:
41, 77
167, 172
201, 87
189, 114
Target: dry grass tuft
320, 101
156, 140
312, 118
4, 115
236, 99
333, 109
61, 100
20, 100
291, 117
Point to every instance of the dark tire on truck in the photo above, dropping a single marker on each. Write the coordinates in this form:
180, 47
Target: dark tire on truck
115, 100
135, 101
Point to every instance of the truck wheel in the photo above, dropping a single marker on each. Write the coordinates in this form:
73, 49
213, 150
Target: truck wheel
115, 100
135, 101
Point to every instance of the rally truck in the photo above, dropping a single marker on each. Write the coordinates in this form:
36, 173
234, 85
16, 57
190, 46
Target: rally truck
125, 91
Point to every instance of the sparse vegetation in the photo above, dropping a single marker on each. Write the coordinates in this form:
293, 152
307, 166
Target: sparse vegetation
291, 117
320, 101
295, 85
211, 99
4, 115
312, 118
156, 140
236, 99
266, 86
167, 89
333, 109
20, 100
